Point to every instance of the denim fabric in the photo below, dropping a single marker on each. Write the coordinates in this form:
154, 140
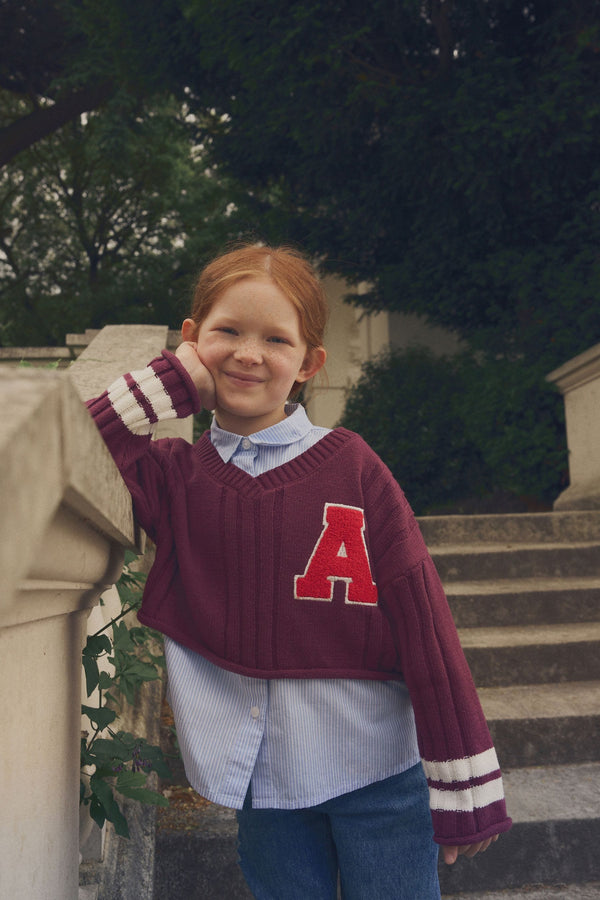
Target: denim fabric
380, 838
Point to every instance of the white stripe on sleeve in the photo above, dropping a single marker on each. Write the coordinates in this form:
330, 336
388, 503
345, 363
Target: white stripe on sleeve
466, 801
462, 769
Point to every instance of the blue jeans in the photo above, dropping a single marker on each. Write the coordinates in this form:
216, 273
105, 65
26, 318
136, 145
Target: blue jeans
379, 838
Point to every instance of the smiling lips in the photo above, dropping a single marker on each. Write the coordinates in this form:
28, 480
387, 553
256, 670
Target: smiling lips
244, 377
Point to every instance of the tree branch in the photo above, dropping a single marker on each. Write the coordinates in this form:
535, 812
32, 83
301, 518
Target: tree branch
439, 11
24, 132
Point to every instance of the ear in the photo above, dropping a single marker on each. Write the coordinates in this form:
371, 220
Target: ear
313, 361
189, 330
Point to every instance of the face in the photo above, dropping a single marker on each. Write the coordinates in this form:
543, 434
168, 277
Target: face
252, 344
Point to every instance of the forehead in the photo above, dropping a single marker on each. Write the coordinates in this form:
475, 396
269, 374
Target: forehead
258, 298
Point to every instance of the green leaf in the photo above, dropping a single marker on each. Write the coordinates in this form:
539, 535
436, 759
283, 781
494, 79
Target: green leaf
133, 785
97, 645
107, 750
111, 809
127, 780
99, 716
92, 674
105, 681
145, 795
121, 637
156, 758
97, 811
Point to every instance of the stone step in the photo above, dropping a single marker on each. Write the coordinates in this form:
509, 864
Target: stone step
533, 654
553, 841
589, 891
525, 601
528, 528
88, 892
483, 561
554, 838
553, 724
196, 855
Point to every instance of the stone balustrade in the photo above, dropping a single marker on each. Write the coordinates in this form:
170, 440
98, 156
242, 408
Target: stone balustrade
65, 524
579, 382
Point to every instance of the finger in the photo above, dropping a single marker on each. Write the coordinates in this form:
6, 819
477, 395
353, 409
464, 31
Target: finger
450, 855
471, 850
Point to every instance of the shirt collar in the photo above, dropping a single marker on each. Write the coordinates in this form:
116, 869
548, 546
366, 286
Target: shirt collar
293, 428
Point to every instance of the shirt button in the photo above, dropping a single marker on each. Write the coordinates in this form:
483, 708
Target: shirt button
246, 444
255, 712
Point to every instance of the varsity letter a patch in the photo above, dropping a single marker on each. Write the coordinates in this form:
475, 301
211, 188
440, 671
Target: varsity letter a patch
340, 554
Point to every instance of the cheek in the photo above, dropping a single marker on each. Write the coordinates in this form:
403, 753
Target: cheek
281, 364
288, 370
210, 352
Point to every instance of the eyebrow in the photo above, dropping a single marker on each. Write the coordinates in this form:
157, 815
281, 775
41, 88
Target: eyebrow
227, 319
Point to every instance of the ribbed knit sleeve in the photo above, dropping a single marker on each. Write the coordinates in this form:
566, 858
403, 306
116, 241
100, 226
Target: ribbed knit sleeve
465, 783
126, 413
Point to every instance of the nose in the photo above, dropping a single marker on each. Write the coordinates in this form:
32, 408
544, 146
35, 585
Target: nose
248, 352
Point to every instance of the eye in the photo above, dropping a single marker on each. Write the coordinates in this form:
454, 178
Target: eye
226, 329
278, 340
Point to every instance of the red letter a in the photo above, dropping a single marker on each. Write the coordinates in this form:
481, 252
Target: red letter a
340, 554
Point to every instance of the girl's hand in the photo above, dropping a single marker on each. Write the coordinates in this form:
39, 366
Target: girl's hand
451, 854
187, 354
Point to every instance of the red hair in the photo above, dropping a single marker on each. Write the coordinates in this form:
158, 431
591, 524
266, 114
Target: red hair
285, 267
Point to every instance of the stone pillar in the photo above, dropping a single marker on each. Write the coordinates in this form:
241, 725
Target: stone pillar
66, 518
121, 864
579, 382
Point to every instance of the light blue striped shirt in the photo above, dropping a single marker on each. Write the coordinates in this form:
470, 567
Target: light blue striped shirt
299, 741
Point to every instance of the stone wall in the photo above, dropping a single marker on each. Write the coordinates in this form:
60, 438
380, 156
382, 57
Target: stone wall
66, 522
66, 519
579, 382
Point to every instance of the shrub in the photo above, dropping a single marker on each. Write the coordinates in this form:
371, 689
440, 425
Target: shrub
516, 419
405, 407
462, 434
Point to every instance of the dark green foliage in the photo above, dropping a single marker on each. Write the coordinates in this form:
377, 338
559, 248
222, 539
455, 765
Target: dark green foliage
105, 223
62, 58
406, 406
447, 154
444, 152
116, 760
516, 421
462, 434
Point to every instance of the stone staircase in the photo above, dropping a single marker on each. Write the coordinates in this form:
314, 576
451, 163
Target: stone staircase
525, 594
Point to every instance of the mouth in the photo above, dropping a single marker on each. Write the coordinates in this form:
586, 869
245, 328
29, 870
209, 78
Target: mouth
243, 378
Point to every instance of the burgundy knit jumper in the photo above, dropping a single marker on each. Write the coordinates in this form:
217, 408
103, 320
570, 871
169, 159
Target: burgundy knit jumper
315, 569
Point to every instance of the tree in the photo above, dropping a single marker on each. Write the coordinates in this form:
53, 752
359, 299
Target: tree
61, 58
106, 222
445, 153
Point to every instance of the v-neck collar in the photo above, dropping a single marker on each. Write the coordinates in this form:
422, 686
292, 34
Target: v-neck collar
298, 467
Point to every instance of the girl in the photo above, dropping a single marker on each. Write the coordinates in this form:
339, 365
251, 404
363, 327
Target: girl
315, 674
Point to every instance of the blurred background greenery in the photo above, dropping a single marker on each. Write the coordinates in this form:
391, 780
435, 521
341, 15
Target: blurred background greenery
443, 153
